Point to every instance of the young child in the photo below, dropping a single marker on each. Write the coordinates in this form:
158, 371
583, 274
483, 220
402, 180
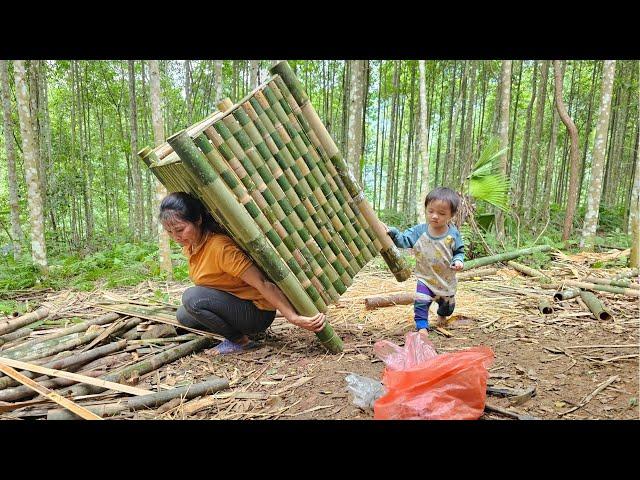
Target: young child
439, 254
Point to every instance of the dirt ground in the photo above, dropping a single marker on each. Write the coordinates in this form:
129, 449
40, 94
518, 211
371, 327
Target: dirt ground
570, 358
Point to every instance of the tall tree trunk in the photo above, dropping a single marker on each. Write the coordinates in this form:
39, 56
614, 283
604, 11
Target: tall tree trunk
47, 151
135, 163
87, 169
514, 122
30, 154
254, 66
503, 132
467, 143
375, 167
158, 138
446, 168
597, 164
634, 208
398, 158
406, 206
587, 132
217, 73
572, 196
356, 108
423, 158
440, 122
551, 163
7, 124
524, 159
532, 186
388, 201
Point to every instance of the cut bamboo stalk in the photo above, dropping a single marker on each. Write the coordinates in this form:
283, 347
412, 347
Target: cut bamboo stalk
149, 401
595, 305
59, 399
243, 197
145, 366
215, 192
389, 300
476, 273
81, 327
604, 288
612, 282
503, 257
632, 273
545, 306
8, 326
23, 392
72, 361
323, 232
567, 294
532, 272
74, 376
16, 335
389, 252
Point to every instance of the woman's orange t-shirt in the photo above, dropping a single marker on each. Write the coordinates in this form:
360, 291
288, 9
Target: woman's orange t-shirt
218, 263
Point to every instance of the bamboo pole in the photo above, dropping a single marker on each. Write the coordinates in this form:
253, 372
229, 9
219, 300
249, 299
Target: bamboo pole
634, 272
389, 300
254, 136
567, 294
389, 252
219, 165
532, 272
8, 326
60, 400
612, 282
595, 305
604, 288
502, 257
15, 335
476, 273
148, 401
215, 192
545, 306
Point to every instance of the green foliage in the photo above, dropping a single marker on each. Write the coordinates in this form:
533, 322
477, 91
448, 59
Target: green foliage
485, 182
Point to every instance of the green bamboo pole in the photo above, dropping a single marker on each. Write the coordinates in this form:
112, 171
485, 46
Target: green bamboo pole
612, 282
269, 172
8, 326
228, 176
283, 110
297, 148
595, 305
389, 252
256, 137
545, 306
631, 273
215, 192
604, 288
265, 189
339, 236
287, 162
503, 257
567, 294
532, 272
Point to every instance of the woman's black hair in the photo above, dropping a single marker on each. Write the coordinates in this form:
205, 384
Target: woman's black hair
446, 195
187, 208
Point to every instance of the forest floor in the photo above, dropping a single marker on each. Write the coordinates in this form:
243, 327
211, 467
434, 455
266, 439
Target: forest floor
571, 359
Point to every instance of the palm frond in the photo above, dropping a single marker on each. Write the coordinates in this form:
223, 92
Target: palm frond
492, 188
486, 162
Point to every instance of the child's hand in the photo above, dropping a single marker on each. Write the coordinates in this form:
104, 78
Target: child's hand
457, 266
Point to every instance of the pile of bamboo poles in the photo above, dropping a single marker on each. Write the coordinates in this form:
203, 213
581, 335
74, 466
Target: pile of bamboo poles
271, 175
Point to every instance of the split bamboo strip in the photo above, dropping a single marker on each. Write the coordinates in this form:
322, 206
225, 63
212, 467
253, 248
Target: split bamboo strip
322, 232
66, 403
72, 361
227, 175
296, 147
8, 326
291, 108
74, 376
605, 288
255, 137
145, 366
294, 130
502, 257
149, 401
286, 162
389, 252
595, 305
274, 177
613, 283
215, 193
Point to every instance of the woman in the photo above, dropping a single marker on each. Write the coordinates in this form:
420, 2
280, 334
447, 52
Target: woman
231, 297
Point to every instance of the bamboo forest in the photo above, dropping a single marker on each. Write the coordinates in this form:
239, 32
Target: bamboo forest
314, 168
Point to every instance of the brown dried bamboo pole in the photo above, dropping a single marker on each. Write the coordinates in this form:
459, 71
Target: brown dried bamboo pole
66, 403
476, 273
567, 294
72, 361
16, 335
389, 252
149, 401
632, 273
389, 300
532, 272
8, 326
545, 306
595, 305
604, 288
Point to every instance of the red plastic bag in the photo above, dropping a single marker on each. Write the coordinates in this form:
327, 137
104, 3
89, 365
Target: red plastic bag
421, 384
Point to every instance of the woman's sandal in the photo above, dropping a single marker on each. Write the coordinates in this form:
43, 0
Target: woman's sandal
227, 346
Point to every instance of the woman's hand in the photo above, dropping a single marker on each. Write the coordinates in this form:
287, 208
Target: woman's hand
313, 324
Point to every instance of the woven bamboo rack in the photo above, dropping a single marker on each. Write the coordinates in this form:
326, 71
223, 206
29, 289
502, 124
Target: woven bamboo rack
270, 173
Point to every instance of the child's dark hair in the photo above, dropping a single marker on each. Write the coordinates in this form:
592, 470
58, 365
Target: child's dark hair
187, 208
446, 195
